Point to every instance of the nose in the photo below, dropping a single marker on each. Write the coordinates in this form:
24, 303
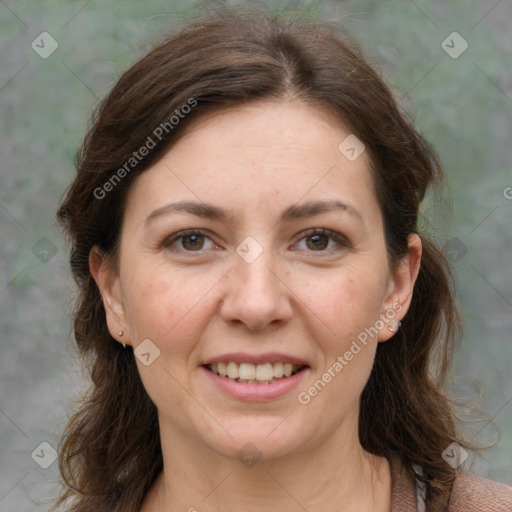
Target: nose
256, 295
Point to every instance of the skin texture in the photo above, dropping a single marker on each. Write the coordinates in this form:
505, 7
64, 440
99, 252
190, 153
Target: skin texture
257, 160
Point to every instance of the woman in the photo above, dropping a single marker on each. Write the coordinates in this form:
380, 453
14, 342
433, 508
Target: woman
266, 328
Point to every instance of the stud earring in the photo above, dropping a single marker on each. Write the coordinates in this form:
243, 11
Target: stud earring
397, 326
120, 333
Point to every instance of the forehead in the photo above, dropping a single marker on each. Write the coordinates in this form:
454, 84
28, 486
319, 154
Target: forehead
253, 156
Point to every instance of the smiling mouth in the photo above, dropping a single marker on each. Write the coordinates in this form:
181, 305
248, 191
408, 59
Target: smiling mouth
248, 373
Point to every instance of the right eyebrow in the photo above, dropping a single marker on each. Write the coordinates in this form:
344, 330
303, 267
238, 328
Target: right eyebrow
205, 210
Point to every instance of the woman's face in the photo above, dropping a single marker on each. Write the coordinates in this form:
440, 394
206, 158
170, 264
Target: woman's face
257, 243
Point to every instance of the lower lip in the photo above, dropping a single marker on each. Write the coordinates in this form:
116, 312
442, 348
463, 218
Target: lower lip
255, 392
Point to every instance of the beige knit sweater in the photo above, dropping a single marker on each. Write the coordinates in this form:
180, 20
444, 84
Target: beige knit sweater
470, 493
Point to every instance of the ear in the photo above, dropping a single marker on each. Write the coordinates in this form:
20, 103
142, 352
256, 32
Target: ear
401, 288
107, 280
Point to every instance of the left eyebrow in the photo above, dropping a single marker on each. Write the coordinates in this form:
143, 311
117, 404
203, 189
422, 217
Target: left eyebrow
292, 213
301, 211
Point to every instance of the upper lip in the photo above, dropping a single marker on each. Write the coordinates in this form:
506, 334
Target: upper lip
267, 357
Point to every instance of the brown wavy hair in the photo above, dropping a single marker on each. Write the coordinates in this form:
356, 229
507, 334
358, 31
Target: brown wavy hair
110, 453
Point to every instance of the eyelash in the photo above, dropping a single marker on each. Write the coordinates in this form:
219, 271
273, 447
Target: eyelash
336, 237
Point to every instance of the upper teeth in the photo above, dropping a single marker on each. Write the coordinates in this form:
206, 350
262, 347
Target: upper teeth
248, 371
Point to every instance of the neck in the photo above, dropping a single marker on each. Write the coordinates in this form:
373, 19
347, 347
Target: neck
336, 476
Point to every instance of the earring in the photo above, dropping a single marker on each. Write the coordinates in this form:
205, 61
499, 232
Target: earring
397, 326
120, 333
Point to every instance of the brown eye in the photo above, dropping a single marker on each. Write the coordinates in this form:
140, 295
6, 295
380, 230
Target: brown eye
317, 242
322, 240
189, 241
192, 242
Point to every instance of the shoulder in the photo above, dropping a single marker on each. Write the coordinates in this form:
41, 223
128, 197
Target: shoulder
472, 493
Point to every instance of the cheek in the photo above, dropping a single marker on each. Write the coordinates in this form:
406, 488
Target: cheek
165, 304
172, 309
347, 300
348, 303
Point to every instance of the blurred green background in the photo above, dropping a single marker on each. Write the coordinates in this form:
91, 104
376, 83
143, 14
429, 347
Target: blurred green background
461, 103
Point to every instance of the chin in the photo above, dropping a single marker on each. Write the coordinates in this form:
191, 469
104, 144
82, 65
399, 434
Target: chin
260, 439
